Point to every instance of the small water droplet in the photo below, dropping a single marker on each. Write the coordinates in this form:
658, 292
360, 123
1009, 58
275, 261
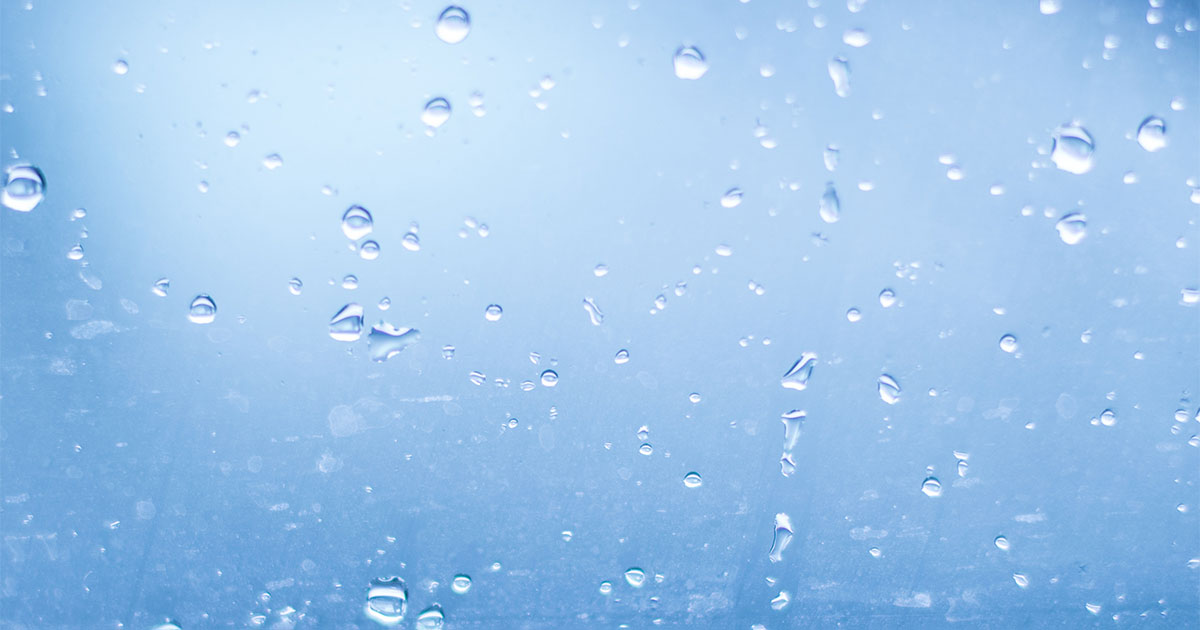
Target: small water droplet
889, 389
232, 139
600, 270
875, 552
830, 156
461, 584
75, 253
411, 242
646, 449
692, 480
347, 323
1071, 149
887, 298
385, 303
853, 315
1008, 343
386, 341
635, 577
567, 535
830, 207
606, 587
1152, 134
549, 378
856, 37
453, 25
724, 250
1072, 228
931, 487
368, 250
24, 188
203, 310
437, 112
782, 538
1108, 418
732, 198
1050, 7
272, 162
350, 282
387, 601
1021, 579
839, 71
1092, 608
357, 223
798, 375
493, 313
161, 286
431, 618
120, 67
1002, 543
295, 286
622, 357
694, 398
690, 63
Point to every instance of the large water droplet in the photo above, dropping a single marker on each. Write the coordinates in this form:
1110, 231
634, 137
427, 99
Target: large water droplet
593, 311
357, 223
931, 487
839, 71
493, 313
830, 207
783, 537
732, 198
1008, 343
387, 601
690, 63
1072, 228
461, 584
386, 341
635, 577
203, 310
889, 389
549, 378
347, 323
453, 25
1071, 149
24, 188
797, 376
437, 112
692, 480
1152, 134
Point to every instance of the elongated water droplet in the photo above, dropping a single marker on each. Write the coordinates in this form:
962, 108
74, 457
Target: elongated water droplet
347, 323
931, 487
1008, 343
386, 341
635, 577
839, 71
792, 422
24, 188
593, 311
437, 112
493, 313
690, 63
797, 376
889, 389
622, 357
387, 601
1002, 543
830, 207
783, 537
295, 286
732, 198
431, 618
357, 223
830, 156
1152, 134
203, 310
1071, 149
461, 584
1072, 228
453, 25
692, 480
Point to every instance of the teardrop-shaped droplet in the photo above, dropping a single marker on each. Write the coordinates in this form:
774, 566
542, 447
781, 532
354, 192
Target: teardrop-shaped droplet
797, 376
1152, 134
889, 389
369, 250
1071, 149
203, 310
386, 341
732, 198
461, 584
493, 313
839, 71
549, 378
1008, 343
24, 188
782, 538
690, 63
347, 323
635, 577
453, 25
357, 223
830, 206
692, 480
1072, 228
931, 487
437, 112
387, 601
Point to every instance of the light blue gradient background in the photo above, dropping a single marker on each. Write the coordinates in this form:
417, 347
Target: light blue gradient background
183, 415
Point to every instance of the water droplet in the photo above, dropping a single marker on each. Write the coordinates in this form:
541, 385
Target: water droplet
889, 389
692, 480
1050, 7
931, 487
232, 139
1092, 608
385, 303
1072, 228
1002, 543
724, 250
437, 112
646, 449
357, 223
411, 242
593, 311
387, 601
830, 207
75, 253
875, 552
1071, 149
567, 535
887, 298
1152, 134
431, 618
169, 625
461, 584
161, 286
694, 398
605, 587
781, 601
783, 536
24, 188
78, 213
272, 162
600, 270
853, 315
690, 63
830, 156
295, 286
856, 37
493, 313
1008, 343
792, 421
797, 376
369, 250
1108, 418
635, 577
350, 282
120, 67
453, 25
622, 357
386, 341
839, 71
1021, 579
347, 323
202, 310
732, 198
549, 378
